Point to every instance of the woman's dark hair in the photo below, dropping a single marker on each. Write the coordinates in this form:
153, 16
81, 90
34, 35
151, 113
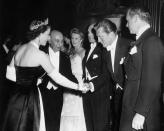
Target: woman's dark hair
36, 28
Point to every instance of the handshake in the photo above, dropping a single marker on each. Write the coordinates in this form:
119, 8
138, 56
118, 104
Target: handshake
84, 87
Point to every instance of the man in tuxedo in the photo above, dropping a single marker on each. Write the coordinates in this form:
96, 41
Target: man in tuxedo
96, 102
116, 50
52, 93
141, 100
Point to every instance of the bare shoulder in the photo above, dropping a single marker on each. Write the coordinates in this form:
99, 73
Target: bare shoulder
20, 51
41, 55
21, 48
42, 58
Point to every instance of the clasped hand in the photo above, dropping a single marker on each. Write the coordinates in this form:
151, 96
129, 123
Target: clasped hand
84, 87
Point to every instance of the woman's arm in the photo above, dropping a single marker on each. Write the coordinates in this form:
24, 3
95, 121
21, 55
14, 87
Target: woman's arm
54, 74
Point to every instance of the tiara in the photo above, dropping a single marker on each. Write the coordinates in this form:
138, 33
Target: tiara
36, 24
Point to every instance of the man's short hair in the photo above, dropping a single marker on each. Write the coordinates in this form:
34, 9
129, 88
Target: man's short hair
141, 11
107, 25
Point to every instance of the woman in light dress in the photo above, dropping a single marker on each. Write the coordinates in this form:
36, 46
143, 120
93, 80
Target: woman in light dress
72, 116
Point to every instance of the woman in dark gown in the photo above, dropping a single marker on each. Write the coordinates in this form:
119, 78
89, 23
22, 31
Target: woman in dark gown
23, 109
28, 64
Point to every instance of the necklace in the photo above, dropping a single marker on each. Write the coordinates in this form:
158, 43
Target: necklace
34, 44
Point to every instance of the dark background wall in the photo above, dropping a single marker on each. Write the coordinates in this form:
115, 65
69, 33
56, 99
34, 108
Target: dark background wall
15, 15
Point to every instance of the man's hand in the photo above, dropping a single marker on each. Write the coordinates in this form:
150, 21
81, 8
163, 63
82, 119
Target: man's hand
86, 87
138, 121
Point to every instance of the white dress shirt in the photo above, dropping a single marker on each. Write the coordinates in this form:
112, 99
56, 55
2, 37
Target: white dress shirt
54, 58
112, 49
93, 45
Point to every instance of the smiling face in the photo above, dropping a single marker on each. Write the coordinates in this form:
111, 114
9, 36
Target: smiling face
76, 40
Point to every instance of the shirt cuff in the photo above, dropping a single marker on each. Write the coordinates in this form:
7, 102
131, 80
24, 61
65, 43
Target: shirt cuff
92, 87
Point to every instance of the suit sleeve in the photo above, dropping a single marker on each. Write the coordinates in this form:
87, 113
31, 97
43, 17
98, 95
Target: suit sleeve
149, 88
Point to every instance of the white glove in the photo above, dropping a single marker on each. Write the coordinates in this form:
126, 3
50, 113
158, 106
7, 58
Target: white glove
138, 121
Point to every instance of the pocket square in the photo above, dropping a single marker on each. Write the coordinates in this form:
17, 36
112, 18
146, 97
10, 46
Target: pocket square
133, 50
122, 60
95, 56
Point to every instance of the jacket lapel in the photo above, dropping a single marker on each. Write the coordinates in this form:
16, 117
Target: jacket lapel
91, 55
118, 54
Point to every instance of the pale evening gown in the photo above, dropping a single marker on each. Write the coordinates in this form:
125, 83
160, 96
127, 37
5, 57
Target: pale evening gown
72, 116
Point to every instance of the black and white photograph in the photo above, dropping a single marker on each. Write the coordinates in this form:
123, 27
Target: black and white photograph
82, 65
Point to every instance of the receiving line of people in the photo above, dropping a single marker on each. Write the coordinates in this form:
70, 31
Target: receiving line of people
115, 80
